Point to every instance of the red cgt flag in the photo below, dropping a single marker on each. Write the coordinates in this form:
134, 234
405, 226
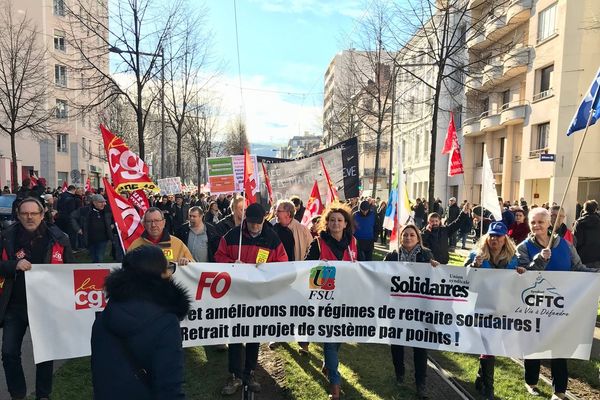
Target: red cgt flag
456, 164
268, 183
88, 185
127, 170
250, 187
140, 200
314, 206
451, 138
128, 221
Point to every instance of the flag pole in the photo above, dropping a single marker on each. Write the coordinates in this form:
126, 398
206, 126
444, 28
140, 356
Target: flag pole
562, 201
239, 259
482, 194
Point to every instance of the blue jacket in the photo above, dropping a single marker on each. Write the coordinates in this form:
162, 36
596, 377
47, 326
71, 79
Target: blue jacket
364, 225
143, 311
512, 264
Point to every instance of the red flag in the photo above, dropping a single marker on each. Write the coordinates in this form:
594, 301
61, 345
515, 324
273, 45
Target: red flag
128, 221
450, 136
332, 192
456, 164
314, 206
64, 186
249, 179
33, 180
140, 200
127, 170
268, 183
88, 185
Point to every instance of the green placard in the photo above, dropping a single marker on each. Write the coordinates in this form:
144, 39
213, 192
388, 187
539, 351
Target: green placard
220, 166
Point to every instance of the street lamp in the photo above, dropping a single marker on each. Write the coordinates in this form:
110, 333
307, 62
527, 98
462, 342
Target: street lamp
116, 50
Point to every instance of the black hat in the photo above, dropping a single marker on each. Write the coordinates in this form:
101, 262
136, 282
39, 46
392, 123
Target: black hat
255, 213
365, 206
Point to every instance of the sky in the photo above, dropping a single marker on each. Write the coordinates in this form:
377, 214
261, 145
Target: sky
285, 47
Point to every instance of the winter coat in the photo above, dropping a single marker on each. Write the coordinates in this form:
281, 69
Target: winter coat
216, 232
58, 251
587, 237
172, 247
266, 247
325, 247
513, 263
563, 258
364, 225
423, 255
144, 313
80, 219
65, 205
436, 239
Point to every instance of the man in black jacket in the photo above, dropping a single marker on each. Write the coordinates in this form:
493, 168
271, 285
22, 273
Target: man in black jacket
225, 225
587, 235
29, 241
65, 206
435, 235
94, 223
453, 213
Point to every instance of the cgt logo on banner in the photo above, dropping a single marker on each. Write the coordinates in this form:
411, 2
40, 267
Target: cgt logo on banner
321, 283
218, 282
89, 288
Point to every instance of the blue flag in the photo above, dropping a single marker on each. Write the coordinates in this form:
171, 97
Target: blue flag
590, 103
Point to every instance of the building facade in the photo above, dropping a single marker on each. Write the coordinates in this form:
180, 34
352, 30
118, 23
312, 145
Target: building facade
75, 152
522, 102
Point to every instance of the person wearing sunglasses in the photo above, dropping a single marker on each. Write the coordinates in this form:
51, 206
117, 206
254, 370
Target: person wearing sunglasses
136, 341
497, 250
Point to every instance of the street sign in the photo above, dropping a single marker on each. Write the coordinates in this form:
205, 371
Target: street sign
547, 157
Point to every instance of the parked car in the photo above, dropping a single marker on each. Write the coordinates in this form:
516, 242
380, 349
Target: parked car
6, 216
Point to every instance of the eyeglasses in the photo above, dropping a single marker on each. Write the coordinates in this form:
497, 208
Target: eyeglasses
172, 267
29, 214
153, 221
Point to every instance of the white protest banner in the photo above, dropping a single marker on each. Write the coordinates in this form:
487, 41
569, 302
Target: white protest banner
479, 311
170, 185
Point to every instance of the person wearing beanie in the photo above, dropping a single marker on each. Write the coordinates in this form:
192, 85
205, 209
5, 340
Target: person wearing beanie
94, 223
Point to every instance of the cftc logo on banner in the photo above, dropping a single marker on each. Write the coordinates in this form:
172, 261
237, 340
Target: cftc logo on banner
321, 282
89, 288
542, 294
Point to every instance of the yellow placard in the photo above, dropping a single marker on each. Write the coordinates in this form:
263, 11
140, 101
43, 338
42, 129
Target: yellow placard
168, 254
262, 256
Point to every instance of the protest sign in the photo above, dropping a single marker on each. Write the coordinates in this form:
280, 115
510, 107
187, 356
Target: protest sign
468, 310
170, 185
296, 177
226, 174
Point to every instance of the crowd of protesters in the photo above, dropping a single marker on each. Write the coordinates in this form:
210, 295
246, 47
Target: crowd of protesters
136, 347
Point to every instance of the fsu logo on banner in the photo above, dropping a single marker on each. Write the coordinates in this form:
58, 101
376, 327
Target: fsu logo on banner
127, 170
127, 219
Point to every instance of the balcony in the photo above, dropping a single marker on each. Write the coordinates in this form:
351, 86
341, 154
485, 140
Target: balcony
491, 73
475, 3
471, 127
476, 41
516, 61
490, 122
518, 11
472, 83
495, 27
513, 113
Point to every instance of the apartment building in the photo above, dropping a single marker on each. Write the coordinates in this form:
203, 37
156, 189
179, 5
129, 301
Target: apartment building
301, 146
75, 152
536, 60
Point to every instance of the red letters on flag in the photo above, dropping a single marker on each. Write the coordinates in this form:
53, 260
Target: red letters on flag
128, 221
249, 179
314, 206
140, 200
127, 170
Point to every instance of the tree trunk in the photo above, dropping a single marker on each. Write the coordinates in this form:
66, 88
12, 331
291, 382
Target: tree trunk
178, 160
377, 148
13, 167
432, 155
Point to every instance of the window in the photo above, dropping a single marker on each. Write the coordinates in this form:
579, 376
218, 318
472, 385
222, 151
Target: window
89, 149
485, 106
59, 7
546, 23
61, 109
458, 117
61, 177
61, 142
505, 99
59, 40
502, 144
425, 144
479, 154
539, 139
60, 75
544, 82
417, 146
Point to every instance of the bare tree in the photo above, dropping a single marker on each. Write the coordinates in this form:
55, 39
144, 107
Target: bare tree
137, 33
236, 139
24, 83
203, 131
186, 78
437, 33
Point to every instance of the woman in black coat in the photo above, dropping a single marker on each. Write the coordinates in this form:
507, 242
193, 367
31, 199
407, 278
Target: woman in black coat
139, 330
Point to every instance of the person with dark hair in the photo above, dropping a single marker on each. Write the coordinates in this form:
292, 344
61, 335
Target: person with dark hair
213, 215
364, 231
230, 221
136, 341
587, 234
411, 250
299, 206
519, 230
380, 231
453, 214
65, 205
335, 242
179, 212
436, 236
95, 224
259, 245
420, 213
194, 234
29, 241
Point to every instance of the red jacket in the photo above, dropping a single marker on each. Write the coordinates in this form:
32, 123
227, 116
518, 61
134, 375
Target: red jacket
266, 247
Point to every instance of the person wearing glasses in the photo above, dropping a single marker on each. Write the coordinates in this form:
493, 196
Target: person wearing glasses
156, 234
29, 241
497, 250
136, 340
